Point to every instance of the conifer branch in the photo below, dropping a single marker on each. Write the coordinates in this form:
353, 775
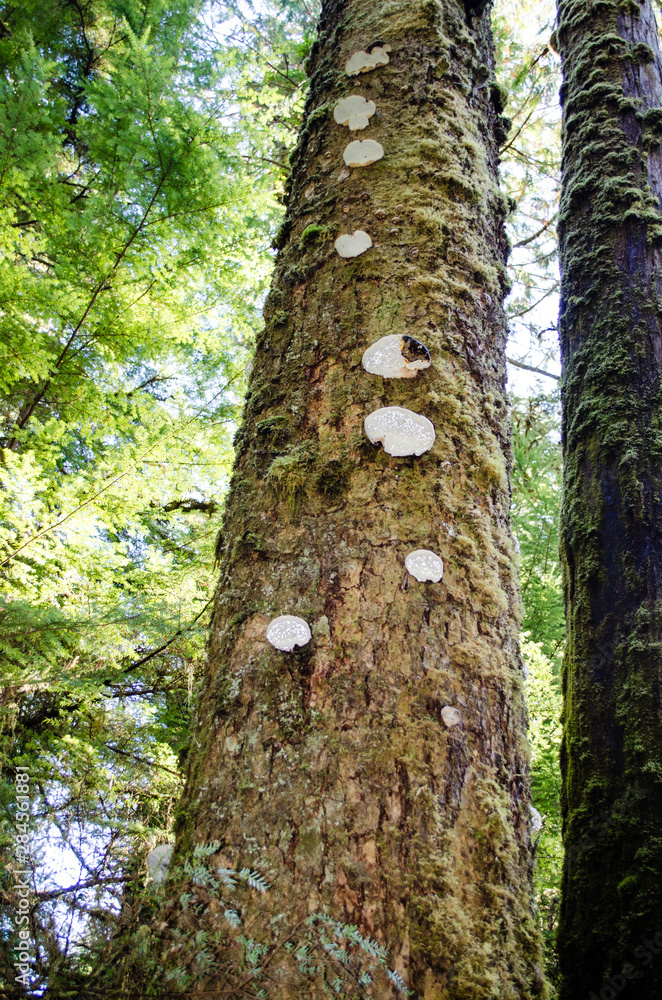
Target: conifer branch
116, 479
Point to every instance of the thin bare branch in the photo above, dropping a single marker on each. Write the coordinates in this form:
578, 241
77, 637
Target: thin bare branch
531, 368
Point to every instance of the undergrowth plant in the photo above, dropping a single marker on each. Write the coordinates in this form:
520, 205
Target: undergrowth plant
317, 956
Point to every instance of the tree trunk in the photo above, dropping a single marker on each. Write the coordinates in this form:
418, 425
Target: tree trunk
331, 769
611, 229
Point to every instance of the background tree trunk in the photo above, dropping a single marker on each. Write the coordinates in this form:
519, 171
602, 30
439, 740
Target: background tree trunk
611, 230
330, 769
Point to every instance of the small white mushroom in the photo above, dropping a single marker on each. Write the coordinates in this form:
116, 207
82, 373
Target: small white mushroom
363, 152
401, 431
450, 716
357, 122
354, 107
536, 820
363, 62
396, 357
351, 245
425, 565
288, 631
158, 861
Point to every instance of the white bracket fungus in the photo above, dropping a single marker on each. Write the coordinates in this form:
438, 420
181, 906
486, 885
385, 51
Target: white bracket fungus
355, 112
363, 152
401, 431
425, 565
354, 244
158, 861
450, 716
363, 62
396, 357
288, 631
536, 820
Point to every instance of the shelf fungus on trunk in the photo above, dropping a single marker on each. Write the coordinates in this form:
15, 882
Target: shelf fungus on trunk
355, 112
450, 716
396, 356
425, 566
363, 152
536, 820
401, 431
363, 62
288, 631
158, 862
353, 244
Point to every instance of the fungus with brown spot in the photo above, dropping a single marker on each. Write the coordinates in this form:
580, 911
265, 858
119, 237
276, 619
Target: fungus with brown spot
400, 431
363, 152
396, 356
288, 631
426, 566
353, 244
363, 62
355, 112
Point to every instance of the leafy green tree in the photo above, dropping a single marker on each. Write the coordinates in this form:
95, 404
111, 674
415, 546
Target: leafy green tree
528, 72
536, 506
139, 189
134, 229
544, 700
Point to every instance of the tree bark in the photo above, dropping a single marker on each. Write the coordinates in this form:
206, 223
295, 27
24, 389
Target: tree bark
611, 231
330, 769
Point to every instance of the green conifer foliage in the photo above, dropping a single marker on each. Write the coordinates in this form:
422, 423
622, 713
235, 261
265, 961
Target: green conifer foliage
140, 169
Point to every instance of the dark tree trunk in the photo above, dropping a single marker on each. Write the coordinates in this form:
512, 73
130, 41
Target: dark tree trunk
331, 769
611, 232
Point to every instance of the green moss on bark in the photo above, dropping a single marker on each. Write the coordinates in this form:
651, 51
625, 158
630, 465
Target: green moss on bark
612, 519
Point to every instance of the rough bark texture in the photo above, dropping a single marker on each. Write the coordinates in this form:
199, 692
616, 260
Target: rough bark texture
330, 769
611, 231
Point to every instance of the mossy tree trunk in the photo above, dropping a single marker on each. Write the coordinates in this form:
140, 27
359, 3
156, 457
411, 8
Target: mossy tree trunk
611, 231
330, 769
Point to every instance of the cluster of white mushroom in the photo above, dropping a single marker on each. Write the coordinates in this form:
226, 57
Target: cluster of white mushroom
400, 431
